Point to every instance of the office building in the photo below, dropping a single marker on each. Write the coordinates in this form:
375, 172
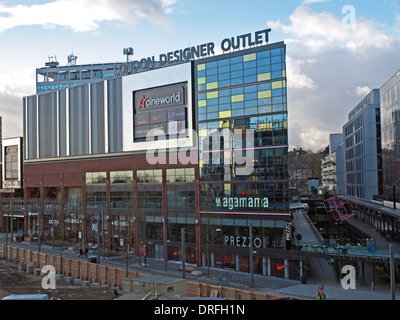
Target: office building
363, 154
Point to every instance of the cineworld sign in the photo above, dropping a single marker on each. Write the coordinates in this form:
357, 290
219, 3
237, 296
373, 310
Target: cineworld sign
235, 202
192, 53
167, 96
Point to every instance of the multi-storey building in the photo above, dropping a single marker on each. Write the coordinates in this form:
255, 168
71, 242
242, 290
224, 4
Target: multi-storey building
332, 166
363, 153
390, 120
191, 140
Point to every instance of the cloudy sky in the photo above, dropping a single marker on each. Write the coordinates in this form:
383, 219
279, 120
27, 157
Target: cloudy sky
337, 51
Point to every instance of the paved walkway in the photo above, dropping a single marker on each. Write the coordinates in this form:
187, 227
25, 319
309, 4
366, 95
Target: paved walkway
271, 285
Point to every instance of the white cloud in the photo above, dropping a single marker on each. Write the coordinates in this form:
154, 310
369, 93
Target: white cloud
13, 86
83, 15
325, 31
297, 79
363, 91
328, 67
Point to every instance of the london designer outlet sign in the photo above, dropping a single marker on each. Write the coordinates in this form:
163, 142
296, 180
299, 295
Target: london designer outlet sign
192, 53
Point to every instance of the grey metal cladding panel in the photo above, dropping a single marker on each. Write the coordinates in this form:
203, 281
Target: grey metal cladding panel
79, 120
62, 122
31, 123
97, 118
48, 125
114, 96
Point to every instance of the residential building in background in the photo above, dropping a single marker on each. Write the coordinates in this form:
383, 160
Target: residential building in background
332, 166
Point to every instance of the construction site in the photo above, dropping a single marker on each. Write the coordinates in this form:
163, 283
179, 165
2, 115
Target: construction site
23, 271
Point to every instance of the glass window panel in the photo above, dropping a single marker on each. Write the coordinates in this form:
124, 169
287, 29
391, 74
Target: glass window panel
237, 112
225, 114
249, 57
237, 105
263, 54
202, 103
224, 69
212, 85
224, 83
224, 100
201, 80
236, 67
250, 72
237, 74
250, 64
264, 109
250, 79
212, 115
224, 76
212, 108
212, 102
248, 89
276, 59
250, 103
223, 107
236, 81
201, 67
275, 52
224, 62
276, 67
238, 59
250, 111
212, 79
264, 76
211, 95
276, 74
237, 98
264, 94
211, 65
224, 93
211, 72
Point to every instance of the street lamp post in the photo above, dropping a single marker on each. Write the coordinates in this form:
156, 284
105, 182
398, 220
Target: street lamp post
251, 256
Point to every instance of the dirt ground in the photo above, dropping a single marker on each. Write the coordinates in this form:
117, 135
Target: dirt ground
14, 281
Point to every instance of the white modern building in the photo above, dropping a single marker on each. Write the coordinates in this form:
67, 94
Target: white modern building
363, 154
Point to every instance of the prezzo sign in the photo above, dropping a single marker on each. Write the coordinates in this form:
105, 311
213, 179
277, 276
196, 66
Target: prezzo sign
242, 241
192, 53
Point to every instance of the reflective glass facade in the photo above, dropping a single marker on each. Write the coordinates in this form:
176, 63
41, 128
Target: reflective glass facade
241, 102
243, 94
390, 122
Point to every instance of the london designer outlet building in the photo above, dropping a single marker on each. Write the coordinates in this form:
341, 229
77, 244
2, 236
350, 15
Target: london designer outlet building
131, 153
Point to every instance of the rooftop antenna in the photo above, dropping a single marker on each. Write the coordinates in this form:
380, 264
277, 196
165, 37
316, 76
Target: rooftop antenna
52, 62
128, 52
72, 59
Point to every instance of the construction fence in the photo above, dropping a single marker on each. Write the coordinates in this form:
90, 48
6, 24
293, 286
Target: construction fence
113, 277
